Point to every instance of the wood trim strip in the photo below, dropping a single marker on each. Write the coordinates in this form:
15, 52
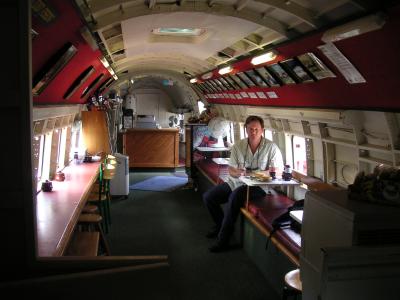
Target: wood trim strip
267, 233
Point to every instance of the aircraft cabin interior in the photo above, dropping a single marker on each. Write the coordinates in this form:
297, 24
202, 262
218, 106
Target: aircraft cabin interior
122, 119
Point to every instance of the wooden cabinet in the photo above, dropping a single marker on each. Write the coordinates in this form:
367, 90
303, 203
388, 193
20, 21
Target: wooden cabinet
95, 131
152, 148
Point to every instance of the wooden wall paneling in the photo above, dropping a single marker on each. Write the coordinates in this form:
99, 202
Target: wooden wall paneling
188, 146
152, 148
95, 132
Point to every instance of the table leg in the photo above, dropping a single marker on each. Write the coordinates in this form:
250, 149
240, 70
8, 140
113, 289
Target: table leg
247, 197
290, 191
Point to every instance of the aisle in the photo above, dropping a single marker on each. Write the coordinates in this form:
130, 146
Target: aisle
174, 223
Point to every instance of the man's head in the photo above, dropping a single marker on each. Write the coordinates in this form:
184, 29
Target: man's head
254, 127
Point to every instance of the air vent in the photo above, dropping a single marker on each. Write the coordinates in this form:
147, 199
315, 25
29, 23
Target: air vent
118, 55
112, 32
223, 55
227, 52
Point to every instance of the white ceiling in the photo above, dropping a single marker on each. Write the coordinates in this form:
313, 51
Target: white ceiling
220, 32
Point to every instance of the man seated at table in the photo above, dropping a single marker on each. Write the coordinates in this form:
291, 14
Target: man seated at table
249, 154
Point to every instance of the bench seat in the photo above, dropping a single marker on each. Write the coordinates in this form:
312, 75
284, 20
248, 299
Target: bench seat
266, 210
212, 171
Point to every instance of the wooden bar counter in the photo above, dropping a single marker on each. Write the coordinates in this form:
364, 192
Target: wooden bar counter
152, 148
57, 211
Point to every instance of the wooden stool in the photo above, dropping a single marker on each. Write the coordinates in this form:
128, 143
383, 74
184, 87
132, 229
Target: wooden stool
90, 209
293, 285
93, 222
100, 196
84, 244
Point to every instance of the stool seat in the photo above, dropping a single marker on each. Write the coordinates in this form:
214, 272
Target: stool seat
90, 209
96, 197
293, 286
90, 218
292, 279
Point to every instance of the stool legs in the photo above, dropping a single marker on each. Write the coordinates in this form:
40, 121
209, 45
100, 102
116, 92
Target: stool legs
287, 292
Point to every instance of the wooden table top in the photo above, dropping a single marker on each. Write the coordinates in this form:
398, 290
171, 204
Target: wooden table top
57, 212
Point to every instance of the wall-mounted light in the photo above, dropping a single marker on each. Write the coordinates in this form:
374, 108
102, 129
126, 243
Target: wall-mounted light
207, 75
225, 70
263, 58
104, 62
193, 80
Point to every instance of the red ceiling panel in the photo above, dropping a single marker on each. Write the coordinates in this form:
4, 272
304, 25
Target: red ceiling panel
66, 28
375, 55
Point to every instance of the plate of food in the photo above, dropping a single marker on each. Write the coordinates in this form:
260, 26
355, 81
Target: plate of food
261, 176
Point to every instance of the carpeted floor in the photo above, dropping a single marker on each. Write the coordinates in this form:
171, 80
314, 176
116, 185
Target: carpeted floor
160, 184
174, 223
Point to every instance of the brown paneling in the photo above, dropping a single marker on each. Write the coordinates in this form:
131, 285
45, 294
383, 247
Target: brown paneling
188, 137
95, 131
152, 148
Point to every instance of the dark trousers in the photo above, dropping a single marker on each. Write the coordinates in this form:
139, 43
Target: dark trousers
221, 194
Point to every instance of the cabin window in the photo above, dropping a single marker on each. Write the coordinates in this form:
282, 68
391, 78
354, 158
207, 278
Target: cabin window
268, 134
77, 144
61, 148
38, 153
231, 134
46, 156
243, 133
299, 154
200, 104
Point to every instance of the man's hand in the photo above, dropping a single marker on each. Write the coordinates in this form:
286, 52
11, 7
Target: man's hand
236, 172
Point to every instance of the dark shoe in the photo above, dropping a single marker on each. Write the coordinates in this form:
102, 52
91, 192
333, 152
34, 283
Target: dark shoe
213, 233
219, 247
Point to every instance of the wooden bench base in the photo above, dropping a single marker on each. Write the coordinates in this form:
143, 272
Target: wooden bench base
84, 244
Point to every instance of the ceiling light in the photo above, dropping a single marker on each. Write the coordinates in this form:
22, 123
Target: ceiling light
266, 57
132, 81
193, 80
225, 70
111, 71
178, 31
115, 77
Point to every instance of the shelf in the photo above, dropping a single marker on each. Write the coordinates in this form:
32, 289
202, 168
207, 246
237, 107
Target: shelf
376, 148
293, 133
374, 160
342, 162
312, 136
339, 142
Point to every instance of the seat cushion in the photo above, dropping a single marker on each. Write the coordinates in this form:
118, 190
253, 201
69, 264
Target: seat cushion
212, 170
267, 209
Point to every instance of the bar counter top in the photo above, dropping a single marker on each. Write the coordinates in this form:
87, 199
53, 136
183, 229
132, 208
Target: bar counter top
57, 211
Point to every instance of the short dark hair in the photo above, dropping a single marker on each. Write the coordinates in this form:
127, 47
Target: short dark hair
252, 119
